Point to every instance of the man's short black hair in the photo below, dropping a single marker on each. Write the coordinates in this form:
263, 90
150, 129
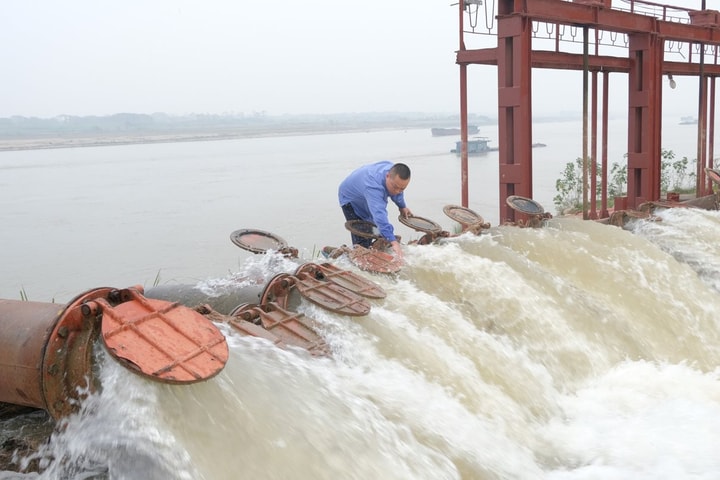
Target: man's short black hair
401, 170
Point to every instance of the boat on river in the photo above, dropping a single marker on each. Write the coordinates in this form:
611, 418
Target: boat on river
476, 146
445, 132
479, 146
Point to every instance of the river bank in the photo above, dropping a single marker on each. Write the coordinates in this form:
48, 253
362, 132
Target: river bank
20, 133
103, 140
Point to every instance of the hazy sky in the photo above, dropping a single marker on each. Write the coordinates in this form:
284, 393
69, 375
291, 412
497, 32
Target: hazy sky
94, 57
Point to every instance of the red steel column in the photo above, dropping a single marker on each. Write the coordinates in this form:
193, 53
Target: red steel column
463, 114
514, 106
644, 118
463, 137
702, 159
711, 135
606, 91
594, 147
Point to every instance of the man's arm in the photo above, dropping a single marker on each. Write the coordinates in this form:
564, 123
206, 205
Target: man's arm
377, 205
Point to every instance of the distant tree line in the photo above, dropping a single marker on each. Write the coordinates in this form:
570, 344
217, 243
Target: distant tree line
136, 123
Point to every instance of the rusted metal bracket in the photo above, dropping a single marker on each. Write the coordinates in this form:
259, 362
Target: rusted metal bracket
432, 237
533, 221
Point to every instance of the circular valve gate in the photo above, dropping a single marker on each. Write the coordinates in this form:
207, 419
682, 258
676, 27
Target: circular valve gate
257, 241
525, 205
164, 341
420, 224
363, 228
464, 216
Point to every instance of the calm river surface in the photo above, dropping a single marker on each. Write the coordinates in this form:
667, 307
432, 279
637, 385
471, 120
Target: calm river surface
79, 218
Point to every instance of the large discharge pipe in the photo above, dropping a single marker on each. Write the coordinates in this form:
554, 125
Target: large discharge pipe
46, 350
192, 296
45, 353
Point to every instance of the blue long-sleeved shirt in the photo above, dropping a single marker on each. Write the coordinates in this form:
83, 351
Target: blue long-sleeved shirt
366, 191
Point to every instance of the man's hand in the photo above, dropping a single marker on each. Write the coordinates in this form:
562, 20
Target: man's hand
405, 212
397, 248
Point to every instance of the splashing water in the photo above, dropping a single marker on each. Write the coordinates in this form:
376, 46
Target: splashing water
575, 351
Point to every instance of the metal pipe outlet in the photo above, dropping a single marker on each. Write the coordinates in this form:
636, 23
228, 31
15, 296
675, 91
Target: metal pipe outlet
192, 296
45, 353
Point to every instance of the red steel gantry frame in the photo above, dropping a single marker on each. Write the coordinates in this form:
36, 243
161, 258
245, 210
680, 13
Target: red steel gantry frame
648, 28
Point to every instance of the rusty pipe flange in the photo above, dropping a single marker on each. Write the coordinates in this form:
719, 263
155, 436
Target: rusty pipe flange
362, 228
250, 312
427, 239
713, 174
311, 269
478, 228
67, 360
277, 290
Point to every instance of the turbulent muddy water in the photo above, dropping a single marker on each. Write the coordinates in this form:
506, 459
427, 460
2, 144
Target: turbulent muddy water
575, 351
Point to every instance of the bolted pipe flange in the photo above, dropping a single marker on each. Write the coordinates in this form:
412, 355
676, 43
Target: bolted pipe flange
67, 362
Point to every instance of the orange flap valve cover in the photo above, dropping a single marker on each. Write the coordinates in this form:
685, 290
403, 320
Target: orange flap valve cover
164, 341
